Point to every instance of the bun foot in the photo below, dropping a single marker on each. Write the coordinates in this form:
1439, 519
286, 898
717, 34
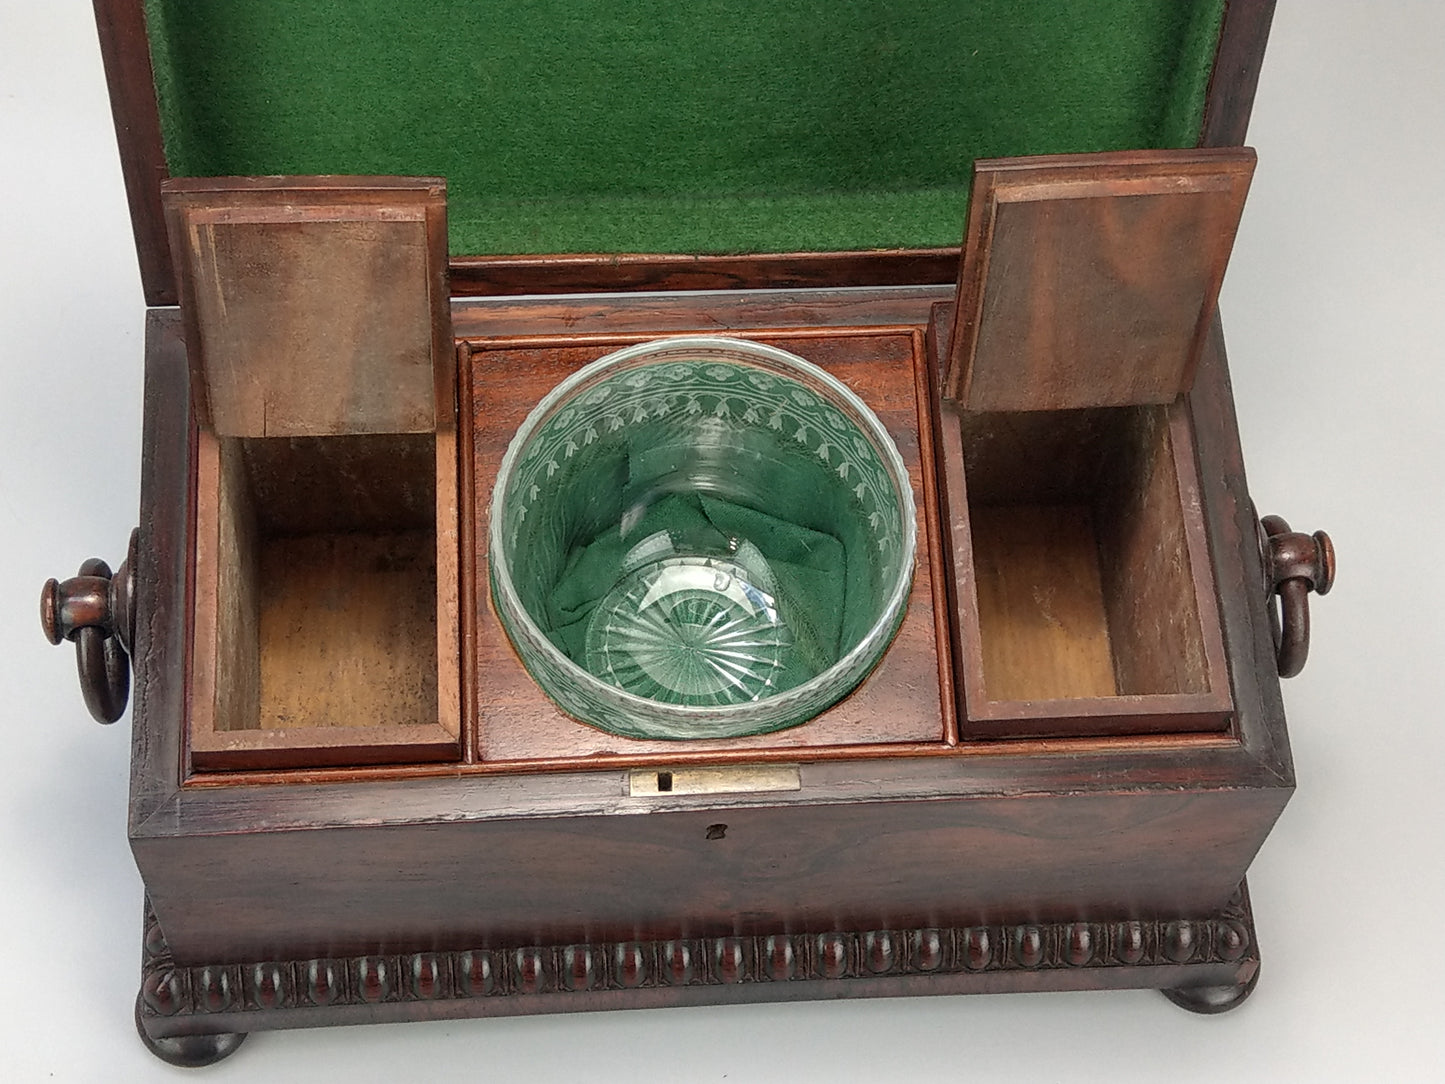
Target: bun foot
188, 1051
1212, 999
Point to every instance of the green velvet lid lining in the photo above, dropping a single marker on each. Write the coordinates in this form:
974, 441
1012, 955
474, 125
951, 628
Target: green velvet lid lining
709, 126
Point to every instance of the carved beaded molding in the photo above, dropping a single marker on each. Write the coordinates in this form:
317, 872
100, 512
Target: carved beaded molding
171, 990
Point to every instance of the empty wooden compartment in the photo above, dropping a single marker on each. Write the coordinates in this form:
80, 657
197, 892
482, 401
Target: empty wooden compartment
325, 623
1085, 596
1084, 590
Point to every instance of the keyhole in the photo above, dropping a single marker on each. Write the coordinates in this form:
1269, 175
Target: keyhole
717, 831
664, 781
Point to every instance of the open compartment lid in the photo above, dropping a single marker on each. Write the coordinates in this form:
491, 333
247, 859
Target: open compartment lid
1090, 280
314, 306
702, 145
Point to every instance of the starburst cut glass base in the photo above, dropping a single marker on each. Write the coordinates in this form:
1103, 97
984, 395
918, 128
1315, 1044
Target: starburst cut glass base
700, 630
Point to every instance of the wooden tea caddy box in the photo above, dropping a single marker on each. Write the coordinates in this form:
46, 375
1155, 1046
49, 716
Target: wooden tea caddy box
350, 803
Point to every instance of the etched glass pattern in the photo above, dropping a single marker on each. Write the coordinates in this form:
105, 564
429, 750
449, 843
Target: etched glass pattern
700, 537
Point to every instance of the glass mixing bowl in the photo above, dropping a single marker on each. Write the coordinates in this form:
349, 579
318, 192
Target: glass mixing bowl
700, 538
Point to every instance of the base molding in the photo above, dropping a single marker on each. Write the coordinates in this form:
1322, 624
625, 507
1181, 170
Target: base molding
1208, 955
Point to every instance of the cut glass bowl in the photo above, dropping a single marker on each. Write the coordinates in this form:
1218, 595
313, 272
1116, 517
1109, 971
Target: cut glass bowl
700, 538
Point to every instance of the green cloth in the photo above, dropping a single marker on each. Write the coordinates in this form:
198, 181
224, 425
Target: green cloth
810, 568
666, 126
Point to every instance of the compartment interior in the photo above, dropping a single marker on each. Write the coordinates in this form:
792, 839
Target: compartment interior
327, 582
1080, 555
653, 126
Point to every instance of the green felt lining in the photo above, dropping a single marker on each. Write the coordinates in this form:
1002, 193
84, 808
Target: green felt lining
710, 126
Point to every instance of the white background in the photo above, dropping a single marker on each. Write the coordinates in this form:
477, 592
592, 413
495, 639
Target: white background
1335, 317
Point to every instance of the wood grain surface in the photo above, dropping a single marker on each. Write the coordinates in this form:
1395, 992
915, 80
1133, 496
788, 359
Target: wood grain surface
303, 863
1089, 280
325, 606
314, 306
1041, 608
1081, 579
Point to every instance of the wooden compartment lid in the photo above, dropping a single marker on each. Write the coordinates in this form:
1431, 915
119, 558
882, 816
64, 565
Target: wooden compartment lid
314, 306
1090, 280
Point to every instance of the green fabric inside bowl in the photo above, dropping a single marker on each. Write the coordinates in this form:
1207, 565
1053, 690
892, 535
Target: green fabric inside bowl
814, 538
716, 126
808, 565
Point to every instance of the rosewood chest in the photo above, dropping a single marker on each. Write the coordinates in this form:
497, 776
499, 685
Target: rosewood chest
350, 802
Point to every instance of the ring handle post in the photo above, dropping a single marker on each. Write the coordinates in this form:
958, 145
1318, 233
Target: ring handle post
1294, 565
95, 609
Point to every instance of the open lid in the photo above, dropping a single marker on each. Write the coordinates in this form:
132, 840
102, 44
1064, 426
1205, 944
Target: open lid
737, 140
1090, 280
314, 306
